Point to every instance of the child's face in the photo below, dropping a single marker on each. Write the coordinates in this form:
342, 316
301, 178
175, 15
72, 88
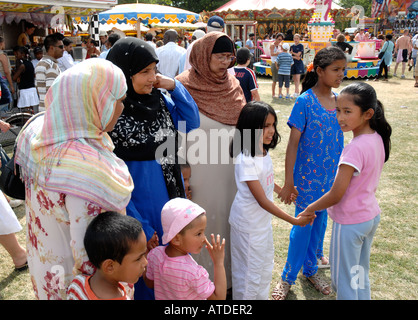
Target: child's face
193, 238
187, 172
39, 55
333, 75
134, 263
350, 116
269, 129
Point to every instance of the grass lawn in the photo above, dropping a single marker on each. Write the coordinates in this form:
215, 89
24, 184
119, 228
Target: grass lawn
394, 251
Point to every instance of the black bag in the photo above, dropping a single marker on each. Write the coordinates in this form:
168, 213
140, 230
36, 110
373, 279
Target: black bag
10, 182
381, 54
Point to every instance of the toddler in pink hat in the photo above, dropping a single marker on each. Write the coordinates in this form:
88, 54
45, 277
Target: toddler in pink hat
172, 271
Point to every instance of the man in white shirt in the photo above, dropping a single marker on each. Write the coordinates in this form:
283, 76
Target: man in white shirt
67, 60
169, 55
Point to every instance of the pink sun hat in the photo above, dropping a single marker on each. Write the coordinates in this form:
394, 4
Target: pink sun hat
176, 214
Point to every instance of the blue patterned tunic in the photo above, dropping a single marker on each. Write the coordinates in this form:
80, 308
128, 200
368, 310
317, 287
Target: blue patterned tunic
319, 148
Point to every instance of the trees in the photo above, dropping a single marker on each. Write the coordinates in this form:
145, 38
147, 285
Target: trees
366, 4
191, 5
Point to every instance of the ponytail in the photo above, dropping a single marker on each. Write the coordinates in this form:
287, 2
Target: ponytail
323, 59
364, 96
379, 123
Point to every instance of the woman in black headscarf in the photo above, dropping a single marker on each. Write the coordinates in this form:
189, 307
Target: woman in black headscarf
146, 136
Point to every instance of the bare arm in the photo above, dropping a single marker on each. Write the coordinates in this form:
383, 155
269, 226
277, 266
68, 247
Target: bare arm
339, 187
291, 151
259, 194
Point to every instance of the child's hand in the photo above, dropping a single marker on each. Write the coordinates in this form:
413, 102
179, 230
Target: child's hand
217, 249
306, 217
288, 194
153, 242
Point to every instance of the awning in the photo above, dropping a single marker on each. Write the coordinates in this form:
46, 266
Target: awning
40, 12
148, 13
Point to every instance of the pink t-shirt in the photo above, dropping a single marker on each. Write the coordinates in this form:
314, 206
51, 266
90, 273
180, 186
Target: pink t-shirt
366, 154
178, 278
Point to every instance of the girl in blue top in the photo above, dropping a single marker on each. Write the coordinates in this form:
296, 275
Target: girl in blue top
312, 155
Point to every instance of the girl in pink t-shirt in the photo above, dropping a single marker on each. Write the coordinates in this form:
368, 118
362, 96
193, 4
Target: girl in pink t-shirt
351, 201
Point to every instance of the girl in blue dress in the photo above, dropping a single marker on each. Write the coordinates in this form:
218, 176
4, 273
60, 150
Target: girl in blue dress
146, 137
314, 147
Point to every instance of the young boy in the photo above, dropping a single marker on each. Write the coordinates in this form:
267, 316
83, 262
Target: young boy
186, 171
172, 271
246, 76
284, 62
116, 245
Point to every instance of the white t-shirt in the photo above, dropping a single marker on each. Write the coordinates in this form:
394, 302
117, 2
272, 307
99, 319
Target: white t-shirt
246, 214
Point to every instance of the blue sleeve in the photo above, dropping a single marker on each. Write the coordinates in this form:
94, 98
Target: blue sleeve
183, 108
298, 116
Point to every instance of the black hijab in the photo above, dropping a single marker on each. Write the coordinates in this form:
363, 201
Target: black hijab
145, 122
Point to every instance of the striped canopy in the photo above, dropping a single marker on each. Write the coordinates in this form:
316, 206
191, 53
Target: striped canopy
149, 13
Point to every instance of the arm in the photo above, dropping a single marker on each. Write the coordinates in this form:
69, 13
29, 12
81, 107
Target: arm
255, 95
5, 62
217, 253
291, 152
339, 187
181, 104
18, 72
258, 193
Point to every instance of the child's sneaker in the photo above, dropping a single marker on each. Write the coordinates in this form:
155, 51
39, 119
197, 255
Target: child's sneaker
288, 97
280, 96
295, 95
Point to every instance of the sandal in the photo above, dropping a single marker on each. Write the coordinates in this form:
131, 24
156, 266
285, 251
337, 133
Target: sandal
320, 284
281, 291
416, 85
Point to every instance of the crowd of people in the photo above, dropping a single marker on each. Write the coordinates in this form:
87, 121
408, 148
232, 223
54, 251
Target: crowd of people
126, 181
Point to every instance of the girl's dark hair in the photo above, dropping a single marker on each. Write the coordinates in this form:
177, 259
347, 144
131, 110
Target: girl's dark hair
249, 129
110, 235
323, 59
364, 96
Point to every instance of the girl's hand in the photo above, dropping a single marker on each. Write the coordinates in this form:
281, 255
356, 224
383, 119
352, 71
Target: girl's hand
216, 249
306, 217
164, 82
288, 194
153, 242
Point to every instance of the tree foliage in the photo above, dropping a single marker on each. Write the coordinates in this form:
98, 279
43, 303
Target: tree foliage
191, 5
366, 4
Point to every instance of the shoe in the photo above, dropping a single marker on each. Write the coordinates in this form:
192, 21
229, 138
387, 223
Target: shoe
22, 267
403, 76
376, 79
395, 75
295, 95
280, 96
15, 203
288, 97
410, 67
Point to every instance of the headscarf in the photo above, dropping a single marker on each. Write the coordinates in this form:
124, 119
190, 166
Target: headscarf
145, 123
66, 149
219, 99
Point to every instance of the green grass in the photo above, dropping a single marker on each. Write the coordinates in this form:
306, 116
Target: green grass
394, 251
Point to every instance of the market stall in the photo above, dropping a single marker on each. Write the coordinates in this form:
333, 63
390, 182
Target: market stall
264, 18
47, 16
134, 15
